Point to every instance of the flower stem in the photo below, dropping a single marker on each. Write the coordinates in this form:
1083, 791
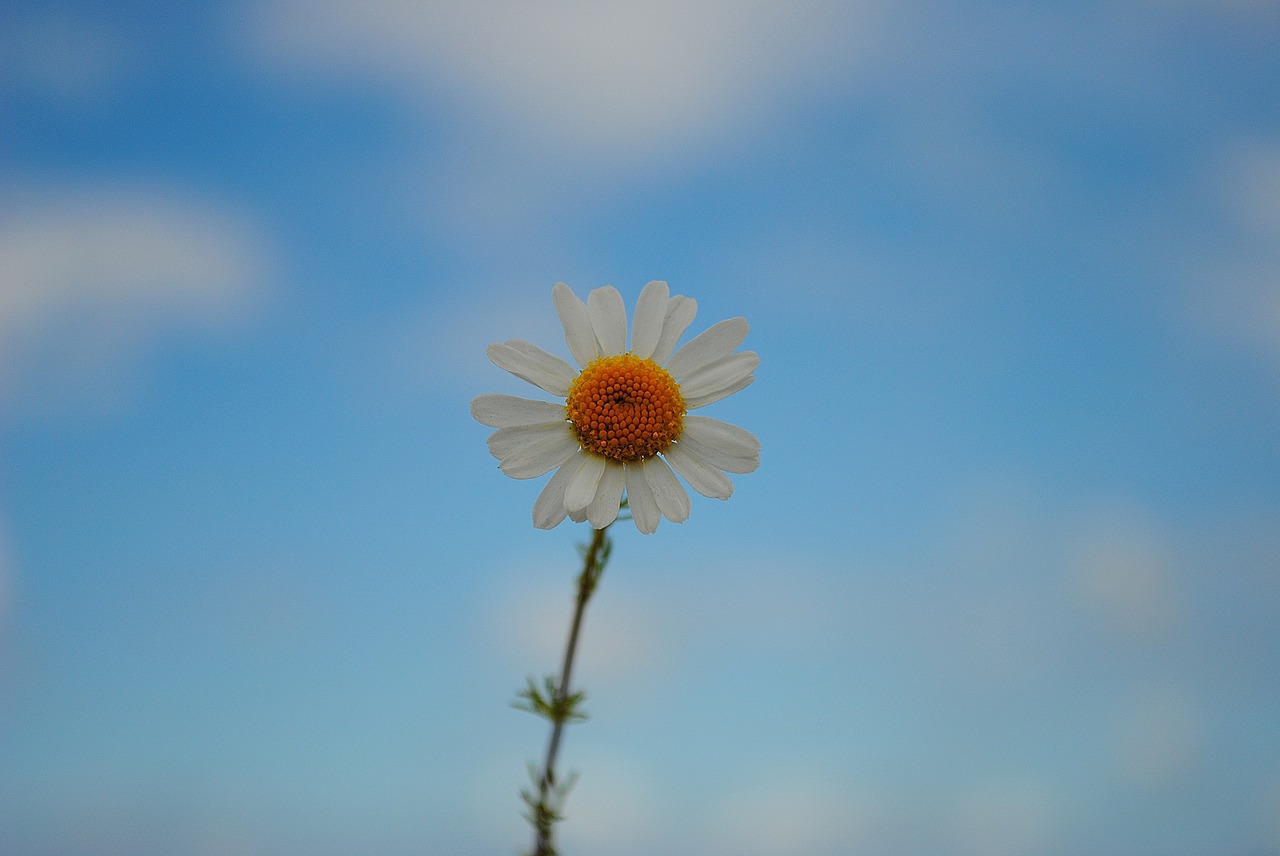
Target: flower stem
546, 811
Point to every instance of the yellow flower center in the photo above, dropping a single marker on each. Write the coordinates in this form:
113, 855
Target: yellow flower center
625, 408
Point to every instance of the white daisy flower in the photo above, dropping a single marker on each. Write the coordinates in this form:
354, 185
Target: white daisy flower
624, 422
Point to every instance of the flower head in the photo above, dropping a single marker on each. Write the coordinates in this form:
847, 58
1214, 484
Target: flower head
624, 421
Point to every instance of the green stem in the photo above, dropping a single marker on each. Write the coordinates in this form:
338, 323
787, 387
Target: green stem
593, 566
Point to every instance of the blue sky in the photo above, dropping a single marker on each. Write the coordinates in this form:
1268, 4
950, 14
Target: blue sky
1006, 582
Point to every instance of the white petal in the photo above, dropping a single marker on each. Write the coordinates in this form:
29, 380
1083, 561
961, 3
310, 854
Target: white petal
644, 508
713, 343
729, 438
712, 397
529, 451
529, 362
531, 463
582, 490
505, 441
724, 372
651, 312
701, 476
548, 509
680, 312
671, 497
604, 508
507, 411
718, 457
578, 334
608, 319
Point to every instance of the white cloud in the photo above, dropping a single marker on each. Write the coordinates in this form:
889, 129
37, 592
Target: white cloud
776, 602
6, 599
1124, 568
444, 344
636, 637
1252, 182
4, 571
791, 814
1233, 277
541, 111
603, 79
1017, 816
614, 806
1242, 306
1268, 813
621, 642
834, 275
94, 276
65, 54
1157, 736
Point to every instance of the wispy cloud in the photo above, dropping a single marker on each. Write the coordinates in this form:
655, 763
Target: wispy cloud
625, 642
1124, 569
6, 606
789, 813
1234, 287
1157, 736
69, 56
443, 343
617, 809
1267, 811
604, 79
1016, 816
94, 276
542, 112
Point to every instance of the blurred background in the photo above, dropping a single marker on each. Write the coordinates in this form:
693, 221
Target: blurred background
1007, 580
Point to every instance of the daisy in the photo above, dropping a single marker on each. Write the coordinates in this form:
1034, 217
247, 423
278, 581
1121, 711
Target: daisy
624, 422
